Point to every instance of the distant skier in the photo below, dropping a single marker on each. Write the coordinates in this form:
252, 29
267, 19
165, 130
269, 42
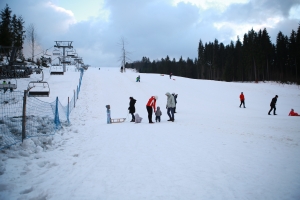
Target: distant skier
242, 99
132, 108
170, 106
151, 104
138, 79
171, 75
273, 105
158, 114
292, 113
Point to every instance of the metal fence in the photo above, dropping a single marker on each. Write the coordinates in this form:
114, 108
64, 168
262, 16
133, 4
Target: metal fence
23, 117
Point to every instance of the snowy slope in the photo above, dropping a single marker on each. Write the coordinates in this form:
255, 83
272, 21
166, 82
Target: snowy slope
213, 150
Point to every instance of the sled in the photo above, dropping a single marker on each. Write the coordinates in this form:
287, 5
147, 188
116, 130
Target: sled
117, 120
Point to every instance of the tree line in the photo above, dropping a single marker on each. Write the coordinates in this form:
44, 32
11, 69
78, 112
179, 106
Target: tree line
254, 58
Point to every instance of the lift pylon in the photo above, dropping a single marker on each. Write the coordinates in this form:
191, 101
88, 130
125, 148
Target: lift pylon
64, 45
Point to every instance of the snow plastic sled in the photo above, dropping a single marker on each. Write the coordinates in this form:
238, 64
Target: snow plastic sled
117, 120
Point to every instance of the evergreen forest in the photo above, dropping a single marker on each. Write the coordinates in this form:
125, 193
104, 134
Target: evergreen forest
253, 59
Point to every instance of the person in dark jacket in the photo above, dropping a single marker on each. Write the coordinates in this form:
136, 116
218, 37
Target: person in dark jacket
132, 108
273, 105
175, 98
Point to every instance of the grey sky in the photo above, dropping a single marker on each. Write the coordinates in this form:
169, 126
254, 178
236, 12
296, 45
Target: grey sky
151, 28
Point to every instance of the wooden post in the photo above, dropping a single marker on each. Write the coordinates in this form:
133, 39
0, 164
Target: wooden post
24, 116
68, 111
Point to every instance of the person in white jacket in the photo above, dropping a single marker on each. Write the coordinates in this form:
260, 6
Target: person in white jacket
170, 106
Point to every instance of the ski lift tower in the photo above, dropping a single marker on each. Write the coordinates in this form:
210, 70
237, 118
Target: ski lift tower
64, 45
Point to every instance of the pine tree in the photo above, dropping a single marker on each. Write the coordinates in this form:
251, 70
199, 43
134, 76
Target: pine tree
200, 63
297, 60
5, 27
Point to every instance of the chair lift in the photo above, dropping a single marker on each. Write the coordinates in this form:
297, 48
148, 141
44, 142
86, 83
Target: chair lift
56, 72
56, 52
9, 85
65, 61
71, 53
38, 88
75, 55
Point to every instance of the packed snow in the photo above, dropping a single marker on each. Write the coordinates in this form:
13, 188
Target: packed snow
213, 150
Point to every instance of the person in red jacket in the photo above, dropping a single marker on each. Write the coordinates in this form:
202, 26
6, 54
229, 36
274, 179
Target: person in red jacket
242, 98
151, 104
292, 113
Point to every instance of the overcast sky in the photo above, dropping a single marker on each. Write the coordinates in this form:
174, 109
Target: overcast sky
151, 28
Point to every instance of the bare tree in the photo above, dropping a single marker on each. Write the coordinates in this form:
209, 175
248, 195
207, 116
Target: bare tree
124, 58
31, 39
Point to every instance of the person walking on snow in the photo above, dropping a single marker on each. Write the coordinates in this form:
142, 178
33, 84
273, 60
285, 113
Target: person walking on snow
170, 106
138, 79
132, 108
242, 98
158, 114
175, 98
292, 113
273, 105
151, 104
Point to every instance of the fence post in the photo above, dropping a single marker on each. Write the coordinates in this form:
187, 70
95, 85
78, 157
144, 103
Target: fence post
24, 116
74, 99
56, 117
68, 111
77, 92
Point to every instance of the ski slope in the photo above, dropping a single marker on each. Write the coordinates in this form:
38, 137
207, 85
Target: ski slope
213, 150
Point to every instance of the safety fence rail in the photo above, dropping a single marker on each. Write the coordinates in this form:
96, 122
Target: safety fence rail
23, 117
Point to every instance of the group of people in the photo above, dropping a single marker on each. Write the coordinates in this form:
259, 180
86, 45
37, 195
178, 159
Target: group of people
5, 88
151, 106
272, 105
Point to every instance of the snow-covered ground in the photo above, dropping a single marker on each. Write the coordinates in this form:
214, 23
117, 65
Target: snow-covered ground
213, 150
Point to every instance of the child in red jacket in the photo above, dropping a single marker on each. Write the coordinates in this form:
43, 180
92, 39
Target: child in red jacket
292, 113
242, 98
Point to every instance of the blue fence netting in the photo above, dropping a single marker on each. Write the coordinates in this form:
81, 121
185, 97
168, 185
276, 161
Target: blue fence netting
41, 118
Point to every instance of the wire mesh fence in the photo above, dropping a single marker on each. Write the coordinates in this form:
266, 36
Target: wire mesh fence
23, 117
11, 106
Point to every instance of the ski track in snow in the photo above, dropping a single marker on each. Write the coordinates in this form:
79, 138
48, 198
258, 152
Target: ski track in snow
213, 150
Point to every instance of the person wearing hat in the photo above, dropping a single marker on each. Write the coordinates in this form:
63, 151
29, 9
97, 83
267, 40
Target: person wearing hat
170, 106
175, 98
292, 113
273, 105
151, 104
131, 108
242, 99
